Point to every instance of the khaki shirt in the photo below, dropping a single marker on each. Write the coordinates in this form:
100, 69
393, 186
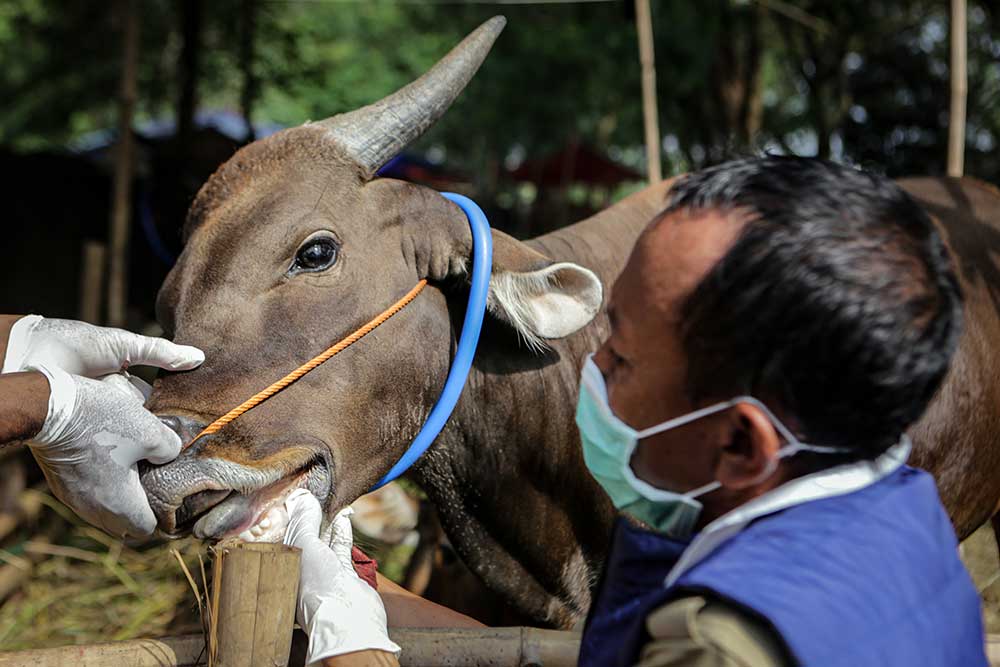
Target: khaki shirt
702, 632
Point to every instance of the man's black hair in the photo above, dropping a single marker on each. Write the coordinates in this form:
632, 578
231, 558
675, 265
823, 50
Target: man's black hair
838, 299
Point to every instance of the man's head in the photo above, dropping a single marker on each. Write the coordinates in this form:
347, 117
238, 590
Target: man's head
823, 291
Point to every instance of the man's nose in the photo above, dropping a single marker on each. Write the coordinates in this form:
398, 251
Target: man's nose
186, 427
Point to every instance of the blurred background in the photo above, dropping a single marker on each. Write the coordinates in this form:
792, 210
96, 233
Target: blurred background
550, 131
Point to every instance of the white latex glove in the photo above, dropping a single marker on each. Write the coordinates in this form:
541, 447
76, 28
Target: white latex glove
83, 349
336, 608
94, 434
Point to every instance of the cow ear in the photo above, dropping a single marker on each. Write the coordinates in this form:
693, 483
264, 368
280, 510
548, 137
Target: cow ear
539, 297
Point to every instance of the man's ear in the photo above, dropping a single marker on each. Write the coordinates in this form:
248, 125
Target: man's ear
754, 445
539, 297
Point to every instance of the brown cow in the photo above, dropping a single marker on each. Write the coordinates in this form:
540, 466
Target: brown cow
293, 244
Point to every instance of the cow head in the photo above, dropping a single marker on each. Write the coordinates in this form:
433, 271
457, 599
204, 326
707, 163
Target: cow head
293, 244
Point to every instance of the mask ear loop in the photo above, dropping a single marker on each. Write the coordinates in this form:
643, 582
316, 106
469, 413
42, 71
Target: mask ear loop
794, 444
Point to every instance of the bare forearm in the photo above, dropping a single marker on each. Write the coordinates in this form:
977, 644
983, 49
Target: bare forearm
24, 402
404, 609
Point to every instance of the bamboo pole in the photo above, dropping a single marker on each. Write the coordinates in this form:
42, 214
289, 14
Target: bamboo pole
254, 588
91, 281
184, 651
121, 204
422, 647
647, 58
959, 88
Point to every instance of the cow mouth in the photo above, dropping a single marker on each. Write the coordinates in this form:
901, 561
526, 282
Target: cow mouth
218, 499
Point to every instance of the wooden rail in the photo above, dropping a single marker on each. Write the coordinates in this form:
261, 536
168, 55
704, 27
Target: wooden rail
464, 647
251, 621
501, 647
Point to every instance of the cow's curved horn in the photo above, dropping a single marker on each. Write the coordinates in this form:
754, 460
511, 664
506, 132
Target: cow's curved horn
372, 135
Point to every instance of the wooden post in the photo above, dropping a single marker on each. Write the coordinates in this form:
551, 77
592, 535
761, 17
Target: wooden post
647, 58
121, 207
91, 281
959, 89
254, 588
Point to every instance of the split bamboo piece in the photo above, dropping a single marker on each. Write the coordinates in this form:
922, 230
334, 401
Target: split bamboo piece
422, 647
254, 587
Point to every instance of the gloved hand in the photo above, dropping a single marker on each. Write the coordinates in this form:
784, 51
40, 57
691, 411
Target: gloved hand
340, 612
94, 434
83, 349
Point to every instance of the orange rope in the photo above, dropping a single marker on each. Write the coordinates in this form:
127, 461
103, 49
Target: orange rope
274, 388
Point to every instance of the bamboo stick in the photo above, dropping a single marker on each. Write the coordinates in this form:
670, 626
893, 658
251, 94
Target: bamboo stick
650, 114
121, 204
183, 651
422, 647
959, 89
91, 281
254, 589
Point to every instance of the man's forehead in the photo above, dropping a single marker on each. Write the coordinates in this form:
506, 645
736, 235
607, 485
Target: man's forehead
672, 256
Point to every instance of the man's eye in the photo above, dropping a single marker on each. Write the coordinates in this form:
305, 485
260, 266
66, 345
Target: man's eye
316, 255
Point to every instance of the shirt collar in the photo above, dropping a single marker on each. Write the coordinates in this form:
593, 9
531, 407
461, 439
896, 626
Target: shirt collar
836, 481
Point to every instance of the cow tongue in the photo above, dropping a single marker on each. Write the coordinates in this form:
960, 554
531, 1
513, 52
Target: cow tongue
241, 513
230, 515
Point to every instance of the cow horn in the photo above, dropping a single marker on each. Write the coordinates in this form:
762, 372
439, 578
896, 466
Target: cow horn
374, 134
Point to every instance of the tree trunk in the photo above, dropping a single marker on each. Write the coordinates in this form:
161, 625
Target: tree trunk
121, 207
650, 113
959, 89
188, 66
251, 85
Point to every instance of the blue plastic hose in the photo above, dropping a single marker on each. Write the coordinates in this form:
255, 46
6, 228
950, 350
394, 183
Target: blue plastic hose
482, 266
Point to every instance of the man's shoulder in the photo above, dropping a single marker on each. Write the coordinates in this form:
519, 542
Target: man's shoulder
702, 631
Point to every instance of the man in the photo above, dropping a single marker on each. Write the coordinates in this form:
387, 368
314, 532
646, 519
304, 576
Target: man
775, 332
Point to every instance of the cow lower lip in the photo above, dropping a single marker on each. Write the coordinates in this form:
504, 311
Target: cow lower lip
238, 512
224, 500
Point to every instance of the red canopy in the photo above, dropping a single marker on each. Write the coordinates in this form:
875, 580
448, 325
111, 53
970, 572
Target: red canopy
574, 164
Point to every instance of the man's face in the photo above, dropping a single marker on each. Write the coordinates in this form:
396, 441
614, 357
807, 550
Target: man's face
643, 360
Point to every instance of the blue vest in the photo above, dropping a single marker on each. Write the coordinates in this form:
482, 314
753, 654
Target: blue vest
869, 578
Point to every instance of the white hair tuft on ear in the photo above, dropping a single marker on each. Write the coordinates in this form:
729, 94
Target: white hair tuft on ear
548, 303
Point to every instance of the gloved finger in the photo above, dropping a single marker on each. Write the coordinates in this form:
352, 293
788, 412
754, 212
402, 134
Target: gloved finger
147, 351
120, 508
120, 382
304, 516
165, 446
342, 541
136, 518
160, 444
329, 527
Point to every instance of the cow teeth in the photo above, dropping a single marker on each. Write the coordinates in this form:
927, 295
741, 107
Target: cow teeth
269, 528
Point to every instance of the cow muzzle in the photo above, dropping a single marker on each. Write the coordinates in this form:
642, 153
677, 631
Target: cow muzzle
215, 498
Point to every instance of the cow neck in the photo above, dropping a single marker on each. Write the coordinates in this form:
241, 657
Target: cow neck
458, 374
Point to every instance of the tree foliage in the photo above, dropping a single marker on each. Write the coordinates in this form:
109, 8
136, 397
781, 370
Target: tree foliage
856, 80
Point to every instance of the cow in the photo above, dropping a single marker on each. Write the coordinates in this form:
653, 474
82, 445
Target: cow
294, 243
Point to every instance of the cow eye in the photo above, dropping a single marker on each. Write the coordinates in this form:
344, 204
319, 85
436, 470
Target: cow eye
316, 254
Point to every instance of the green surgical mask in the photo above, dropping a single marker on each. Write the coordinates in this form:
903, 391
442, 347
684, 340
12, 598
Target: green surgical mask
608, 445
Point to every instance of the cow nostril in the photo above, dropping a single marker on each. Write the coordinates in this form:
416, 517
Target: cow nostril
185, 427
171, 422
